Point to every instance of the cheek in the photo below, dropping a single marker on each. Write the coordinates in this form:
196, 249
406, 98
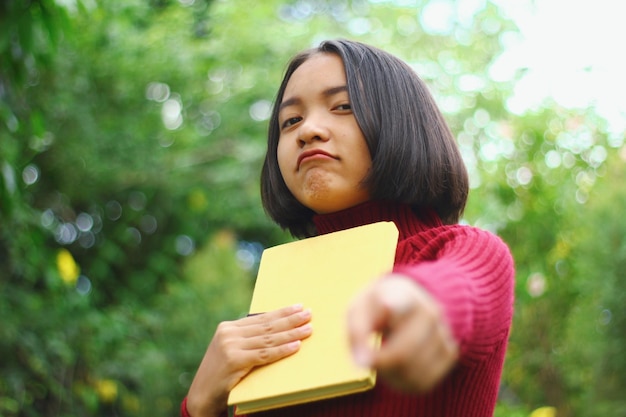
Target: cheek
365, 158
282, 158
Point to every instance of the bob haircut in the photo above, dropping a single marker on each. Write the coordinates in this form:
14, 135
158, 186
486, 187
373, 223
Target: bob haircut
415, 159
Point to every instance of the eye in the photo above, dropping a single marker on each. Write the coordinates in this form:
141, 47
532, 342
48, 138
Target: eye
290, 122
344, 107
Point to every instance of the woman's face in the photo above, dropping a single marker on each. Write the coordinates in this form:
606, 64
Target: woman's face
322, 153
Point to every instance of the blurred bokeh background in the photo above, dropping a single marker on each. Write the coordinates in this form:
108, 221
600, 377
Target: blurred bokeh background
131, 139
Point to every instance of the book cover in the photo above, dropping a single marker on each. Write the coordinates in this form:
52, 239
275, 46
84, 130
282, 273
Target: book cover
323, 273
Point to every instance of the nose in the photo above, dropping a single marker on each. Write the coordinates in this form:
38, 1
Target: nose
312, 129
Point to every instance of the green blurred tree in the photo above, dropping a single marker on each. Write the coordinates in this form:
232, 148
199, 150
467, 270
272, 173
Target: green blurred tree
591, 354
544, 188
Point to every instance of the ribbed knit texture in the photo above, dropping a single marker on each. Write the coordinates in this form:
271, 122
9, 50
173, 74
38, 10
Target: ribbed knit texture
470, 272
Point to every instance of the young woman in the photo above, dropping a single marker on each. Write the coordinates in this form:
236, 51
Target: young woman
355, 138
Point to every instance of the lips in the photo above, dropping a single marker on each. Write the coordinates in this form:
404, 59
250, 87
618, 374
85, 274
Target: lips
313, 153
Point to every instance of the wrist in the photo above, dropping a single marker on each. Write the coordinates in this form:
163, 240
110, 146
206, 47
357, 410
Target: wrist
194, 407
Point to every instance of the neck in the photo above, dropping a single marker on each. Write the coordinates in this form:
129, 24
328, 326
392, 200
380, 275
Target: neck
407, 220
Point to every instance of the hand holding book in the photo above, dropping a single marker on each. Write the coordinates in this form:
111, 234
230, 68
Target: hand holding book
241, 345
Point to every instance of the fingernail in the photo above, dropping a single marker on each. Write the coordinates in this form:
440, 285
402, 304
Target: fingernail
295, 345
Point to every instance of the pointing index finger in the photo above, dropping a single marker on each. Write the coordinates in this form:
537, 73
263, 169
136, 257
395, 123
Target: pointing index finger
366, 316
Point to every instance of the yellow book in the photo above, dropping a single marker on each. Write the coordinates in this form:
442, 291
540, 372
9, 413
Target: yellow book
323, 273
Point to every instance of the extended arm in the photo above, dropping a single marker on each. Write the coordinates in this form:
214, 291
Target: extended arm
448, 300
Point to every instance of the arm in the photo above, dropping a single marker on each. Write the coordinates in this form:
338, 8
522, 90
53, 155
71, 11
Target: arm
418, 348
448, 300
236, 348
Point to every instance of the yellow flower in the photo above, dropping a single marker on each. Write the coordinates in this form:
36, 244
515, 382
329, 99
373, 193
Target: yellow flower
544, 412
107, 390
68, 269
197, 201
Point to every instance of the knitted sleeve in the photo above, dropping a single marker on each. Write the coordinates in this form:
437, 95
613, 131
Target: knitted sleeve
471, 273
185, 413
183, 408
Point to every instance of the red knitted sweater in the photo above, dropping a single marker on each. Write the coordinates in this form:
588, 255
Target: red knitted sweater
470, 272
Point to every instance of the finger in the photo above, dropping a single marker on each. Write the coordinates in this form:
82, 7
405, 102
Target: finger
445, 357
410, 370
273, 339
259, 317
233, 339
236, 363
237, 355
392, 302
435, 364
414, 321
274, 322
404, 343
365, 316
439, 367
266, 355
423, 364
380, 308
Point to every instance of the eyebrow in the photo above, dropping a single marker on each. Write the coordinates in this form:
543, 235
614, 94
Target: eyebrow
326, 93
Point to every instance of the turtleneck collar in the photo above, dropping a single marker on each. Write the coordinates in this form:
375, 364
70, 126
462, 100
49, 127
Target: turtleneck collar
407, 221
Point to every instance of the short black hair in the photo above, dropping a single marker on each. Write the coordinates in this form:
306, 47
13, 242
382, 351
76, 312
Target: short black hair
415, 159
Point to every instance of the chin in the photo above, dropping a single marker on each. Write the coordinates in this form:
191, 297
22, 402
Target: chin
332, 206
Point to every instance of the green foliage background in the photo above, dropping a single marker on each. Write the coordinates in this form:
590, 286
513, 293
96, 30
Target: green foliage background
131, 139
